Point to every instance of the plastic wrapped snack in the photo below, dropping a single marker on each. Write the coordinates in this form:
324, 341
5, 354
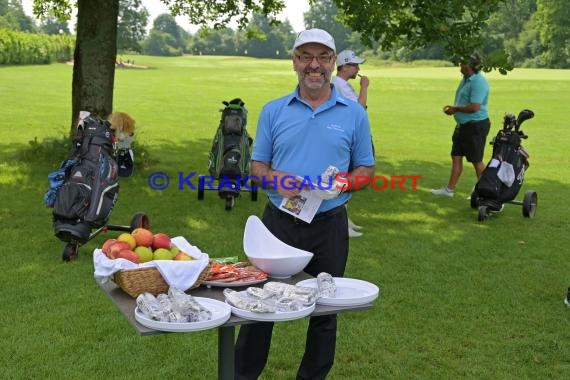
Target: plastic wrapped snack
166, 303
250, 304
285, 304
326, 285
329, 174
259, 293
187, 306
305, 295
150, 307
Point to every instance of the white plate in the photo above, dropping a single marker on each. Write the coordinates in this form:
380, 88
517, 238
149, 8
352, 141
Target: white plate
349, 292
232, 284
221, 312
271, 317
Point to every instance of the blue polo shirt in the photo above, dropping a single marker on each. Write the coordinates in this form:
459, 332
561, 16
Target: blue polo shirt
474, 89
296, 139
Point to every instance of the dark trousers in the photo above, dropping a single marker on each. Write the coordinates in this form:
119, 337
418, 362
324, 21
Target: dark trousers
327, 238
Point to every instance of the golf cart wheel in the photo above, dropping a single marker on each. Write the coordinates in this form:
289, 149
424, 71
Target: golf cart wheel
483, 214
473, 200
253, 191
530, 202
70, 252
200, 187
229, 203
140, 220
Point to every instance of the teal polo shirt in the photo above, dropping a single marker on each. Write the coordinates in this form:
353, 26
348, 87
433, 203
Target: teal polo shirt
474, 89
296, 139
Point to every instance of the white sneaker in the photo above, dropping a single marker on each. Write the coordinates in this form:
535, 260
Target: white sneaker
472, 190
353, 233
353, 226
444, 192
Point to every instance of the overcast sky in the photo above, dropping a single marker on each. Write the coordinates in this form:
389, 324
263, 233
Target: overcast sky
294, 10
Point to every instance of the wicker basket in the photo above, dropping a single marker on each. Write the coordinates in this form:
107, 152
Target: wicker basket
148, 280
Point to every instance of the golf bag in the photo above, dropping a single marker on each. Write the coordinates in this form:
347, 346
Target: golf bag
84, 190
503, 176
231, 150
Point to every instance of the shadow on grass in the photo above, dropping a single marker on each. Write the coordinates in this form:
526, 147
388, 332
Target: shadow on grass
391, 216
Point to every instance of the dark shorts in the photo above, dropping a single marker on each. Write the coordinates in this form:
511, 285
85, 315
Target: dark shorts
469, 140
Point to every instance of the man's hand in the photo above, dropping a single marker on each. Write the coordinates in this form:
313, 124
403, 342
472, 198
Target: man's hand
449, 110
287, 185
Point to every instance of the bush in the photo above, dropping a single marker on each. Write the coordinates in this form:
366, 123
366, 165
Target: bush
19, 48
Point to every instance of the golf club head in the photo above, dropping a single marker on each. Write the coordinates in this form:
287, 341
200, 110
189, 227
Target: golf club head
509, 122
524, 115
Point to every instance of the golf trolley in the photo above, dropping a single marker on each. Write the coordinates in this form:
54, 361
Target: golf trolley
84, 190
503, 176
229, 157
71, 249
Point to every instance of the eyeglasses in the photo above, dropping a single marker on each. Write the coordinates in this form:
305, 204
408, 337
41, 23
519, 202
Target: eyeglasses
323, 58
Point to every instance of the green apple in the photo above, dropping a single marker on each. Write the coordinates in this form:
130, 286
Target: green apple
174, 250
145, 253
162, 254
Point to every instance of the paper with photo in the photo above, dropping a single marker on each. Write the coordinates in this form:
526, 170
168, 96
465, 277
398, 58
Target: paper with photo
303, 206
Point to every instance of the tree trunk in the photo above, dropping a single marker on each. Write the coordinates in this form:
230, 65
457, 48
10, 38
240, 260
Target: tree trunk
94, 58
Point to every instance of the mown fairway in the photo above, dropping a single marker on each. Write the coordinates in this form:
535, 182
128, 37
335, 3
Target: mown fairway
459, 298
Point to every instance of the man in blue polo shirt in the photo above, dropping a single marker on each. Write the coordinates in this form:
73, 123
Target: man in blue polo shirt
301, 135
472, 117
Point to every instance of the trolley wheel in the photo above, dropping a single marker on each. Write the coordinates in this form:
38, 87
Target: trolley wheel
474, 200
253, 191
483, 213
200, 187
140, 220
71, 251
530, 202
229, 203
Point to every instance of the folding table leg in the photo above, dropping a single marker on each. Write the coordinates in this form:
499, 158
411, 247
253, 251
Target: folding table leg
226, 357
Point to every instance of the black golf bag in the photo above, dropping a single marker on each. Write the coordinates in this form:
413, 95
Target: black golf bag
84, 190
231, 149
503, 176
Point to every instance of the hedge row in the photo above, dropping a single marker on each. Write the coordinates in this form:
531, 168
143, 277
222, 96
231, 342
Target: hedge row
19, 48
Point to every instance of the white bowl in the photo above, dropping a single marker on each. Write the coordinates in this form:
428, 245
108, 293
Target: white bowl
265, 251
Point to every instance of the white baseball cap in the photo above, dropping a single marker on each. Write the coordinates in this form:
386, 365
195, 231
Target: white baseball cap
317, 36
348, 56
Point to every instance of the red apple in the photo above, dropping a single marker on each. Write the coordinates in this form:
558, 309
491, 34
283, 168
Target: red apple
106, 245
129, 255
160, 240
117, 247
142, 236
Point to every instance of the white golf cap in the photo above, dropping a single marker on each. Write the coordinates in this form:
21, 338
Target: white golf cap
317, 36
348, 56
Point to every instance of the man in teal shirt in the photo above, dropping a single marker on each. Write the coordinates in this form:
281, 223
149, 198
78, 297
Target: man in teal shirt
470, 111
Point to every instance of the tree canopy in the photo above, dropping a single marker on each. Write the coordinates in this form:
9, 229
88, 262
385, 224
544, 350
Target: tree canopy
131, 27
456, 26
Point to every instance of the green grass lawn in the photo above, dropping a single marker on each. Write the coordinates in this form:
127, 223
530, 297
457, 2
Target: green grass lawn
459, 298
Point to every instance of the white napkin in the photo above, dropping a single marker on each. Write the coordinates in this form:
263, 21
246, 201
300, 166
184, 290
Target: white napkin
181, 274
